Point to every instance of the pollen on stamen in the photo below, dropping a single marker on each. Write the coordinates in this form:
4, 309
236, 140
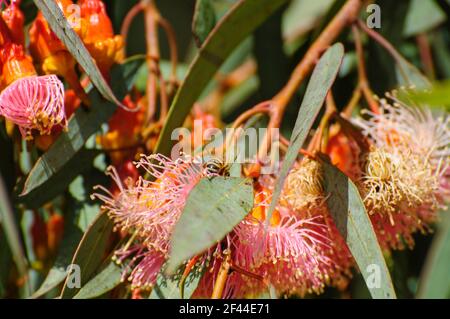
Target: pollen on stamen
304, 186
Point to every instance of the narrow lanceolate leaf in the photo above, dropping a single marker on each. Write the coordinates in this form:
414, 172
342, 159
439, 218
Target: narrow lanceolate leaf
320, 83
12, 235
63, 30
78, 218
212, 210
204, 20
242, 19
57, 182
106, 280
88, 255
435, 279
52, 170
351, 218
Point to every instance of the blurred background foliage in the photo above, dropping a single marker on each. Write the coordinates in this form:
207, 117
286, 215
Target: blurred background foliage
414, 27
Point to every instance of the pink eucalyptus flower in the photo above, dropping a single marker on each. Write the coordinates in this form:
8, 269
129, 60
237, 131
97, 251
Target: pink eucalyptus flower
142, 267
290, 255
152, 207
34, 103
149, 210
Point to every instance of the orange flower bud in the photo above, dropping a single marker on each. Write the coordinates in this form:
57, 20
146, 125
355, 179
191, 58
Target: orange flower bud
51, 54
261, 206
124, 129
39, 237
15, 20
15, 63
55, 229
98, 35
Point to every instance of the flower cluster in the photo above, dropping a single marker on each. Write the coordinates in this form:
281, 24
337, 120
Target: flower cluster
298, 251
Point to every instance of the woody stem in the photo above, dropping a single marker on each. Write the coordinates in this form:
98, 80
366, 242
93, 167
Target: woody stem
362, 74
347, 15
151, 26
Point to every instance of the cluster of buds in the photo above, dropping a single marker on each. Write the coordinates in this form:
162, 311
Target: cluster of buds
32, 94
98, 36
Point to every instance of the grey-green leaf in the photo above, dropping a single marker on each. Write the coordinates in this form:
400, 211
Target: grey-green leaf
353, 222
214, 207
242, 19
435, 278
103, 282
168, 288
320, 83
204, 21
12, 234
409, 75
422, 16
79, 217
88, 255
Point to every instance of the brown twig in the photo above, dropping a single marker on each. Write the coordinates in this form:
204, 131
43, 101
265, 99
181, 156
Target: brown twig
347, 15
356, 96
134, 11
171, 38
381, 40
151, 26
362, 74
426, 55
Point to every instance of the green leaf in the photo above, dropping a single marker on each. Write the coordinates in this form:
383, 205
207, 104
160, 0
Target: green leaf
212, 210
79, 215
63, 30
106, 280
56, 182
232, 29
88, 255
435, 279
353, 222
61, 163
7, 220
169, 288
409, 75
204, 21
438, 96
422, 16
5, 263
320, 83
